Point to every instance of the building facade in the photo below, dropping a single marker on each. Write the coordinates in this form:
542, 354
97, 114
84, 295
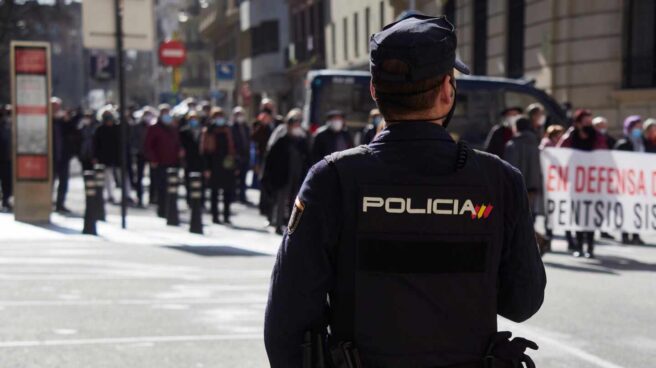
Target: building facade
595, 54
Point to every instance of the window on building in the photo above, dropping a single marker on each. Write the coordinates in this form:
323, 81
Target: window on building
382, 14
639, 51
264, 38
449, 9
480, 37
367, 26
333, 42
320, 31
345, 36
515, 39
356, 34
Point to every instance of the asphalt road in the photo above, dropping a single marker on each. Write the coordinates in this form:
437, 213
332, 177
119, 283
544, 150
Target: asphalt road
154, 296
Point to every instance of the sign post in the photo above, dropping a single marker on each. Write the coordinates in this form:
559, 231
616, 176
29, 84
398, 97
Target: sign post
106, 32
32, 131
173, 53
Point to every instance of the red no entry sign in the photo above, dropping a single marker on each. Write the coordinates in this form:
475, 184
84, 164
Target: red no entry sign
172, 53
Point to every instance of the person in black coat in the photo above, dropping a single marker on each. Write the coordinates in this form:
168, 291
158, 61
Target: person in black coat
285, 167
106, 145
190, 142
218, 150
369, 132
241, 134
331, 137
501, 133
66, 143
633, 141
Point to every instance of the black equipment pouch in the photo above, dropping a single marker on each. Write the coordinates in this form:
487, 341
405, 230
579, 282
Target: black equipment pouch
345, 355
314, 350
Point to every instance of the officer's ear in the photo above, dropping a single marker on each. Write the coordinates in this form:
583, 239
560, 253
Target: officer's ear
447, 93
372, 90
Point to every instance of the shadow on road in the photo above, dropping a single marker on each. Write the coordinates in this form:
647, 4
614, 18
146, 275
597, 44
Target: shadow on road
580, 268
60, 229
215, 250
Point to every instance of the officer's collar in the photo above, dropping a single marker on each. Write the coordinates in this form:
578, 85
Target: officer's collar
413, 131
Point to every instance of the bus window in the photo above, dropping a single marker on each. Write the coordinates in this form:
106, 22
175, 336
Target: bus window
347, 93
518, 99
474, 116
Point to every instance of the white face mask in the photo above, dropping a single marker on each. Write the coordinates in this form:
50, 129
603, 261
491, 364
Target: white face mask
240, 119
542, 120
511, 120
336, 124
602, 130
297, 132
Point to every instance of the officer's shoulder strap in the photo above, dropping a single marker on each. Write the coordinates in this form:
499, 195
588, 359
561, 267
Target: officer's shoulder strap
348, 154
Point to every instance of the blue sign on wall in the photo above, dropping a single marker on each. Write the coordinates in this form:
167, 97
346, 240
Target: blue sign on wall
103, 66
225, 71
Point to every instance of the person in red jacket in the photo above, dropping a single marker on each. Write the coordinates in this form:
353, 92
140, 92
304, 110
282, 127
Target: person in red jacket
162, 150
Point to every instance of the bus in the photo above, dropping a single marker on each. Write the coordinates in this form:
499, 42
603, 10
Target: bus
479, 102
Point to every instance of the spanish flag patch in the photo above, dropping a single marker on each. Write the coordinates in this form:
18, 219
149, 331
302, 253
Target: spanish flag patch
295, 217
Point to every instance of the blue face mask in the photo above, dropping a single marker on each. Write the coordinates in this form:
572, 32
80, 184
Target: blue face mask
167, 119
636, 133
220, 121
193, 123
376, 121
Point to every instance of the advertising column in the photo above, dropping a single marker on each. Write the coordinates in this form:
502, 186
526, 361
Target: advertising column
32, 129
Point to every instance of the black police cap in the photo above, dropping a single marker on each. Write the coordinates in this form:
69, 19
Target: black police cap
426, 44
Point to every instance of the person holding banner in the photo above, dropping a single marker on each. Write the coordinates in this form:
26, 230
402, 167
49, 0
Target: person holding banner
649, 131
582, 136
633, 141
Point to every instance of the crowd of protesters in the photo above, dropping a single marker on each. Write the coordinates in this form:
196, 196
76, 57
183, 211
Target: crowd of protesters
520, 137
196, 137
224, 146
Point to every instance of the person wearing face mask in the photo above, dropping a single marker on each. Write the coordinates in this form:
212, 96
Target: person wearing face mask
285, 167
501, 133
143, 120
649, 132
633, 141
162, 150
582, 135
220, 157
537, 117
332, 137
601, 125
87, 127
106, 145
417, 241
241, 134
190, 143
369, 132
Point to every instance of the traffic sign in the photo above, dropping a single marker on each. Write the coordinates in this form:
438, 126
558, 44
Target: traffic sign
103, 66
99, 24
225, 71
172, 53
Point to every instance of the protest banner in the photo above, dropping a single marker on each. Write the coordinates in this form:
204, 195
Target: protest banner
599, 190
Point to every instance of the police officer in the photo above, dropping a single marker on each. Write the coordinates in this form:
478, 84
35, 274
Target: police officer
408, 248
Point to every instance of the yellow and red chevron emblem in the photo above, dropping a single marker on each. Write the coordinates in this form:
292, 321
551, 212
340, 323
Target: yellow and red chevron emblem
482, 211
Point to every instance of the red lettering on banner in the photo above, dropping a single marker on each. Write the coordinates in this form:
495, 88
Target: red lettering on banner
563, 174
592, 171
620, 182
631, 186
641, 183
551, 177
579, 183
601, 179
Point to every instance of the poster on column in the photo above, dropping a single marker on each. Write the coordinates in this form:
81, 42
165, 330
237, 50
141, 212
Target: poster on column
600, 190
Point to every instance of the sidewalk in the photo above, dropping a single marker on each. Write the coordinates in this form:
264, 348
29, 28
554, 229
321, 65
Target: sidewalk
247, 235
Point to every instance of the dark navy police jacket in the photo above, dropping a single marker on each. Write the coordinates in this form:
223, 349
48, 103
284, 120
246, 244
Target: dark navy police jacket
405, 254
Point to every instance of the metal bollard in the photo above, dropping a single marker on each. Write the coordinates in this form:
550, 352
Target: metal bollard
173, 181
100, 185
90, 210
195, 194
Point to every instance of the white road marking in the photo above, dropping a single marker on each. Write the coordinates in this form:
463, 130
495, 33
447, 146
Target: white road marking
540, 338
51, 303
128, 340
